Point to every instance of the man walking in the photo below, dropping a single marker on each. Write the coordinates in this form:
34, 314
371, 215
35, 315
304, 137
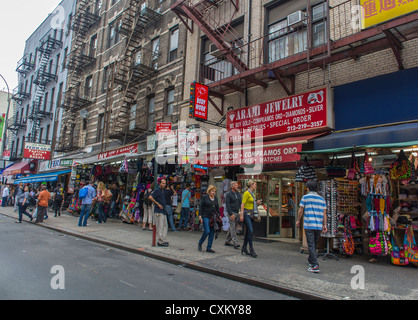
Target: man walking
18, 192
233, 201
158, 197
87, 196
313, 208
5, 196
43, 198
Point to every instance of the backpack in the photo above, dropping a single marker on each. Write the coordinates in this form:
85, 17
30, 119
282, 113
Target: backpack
32, 201
58, 195
147, 201
83, 193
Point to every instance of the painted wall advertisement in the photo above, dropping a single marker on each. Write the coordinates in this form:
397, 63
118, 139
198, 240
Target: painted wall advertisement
37, 151
304, 113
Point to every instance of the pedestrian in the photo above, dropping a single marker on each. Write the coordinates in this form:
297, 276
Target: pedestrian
291, 212
43, 200
18, 192
101, 191
313, 209
5, 196
86, 194
249, 214
23, 203
209, 206
58, 199
148, 209
160, 215
115, 201
185, 208
169, 193
233, 202
10, 201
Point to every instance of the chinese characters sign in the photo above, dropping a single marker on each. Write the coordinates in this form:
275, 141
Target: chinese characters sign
199, 100
37, 151
378, 11
307, 112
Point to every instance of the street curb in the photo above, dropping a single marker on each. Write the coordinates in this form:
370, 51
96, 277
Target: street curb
192, 265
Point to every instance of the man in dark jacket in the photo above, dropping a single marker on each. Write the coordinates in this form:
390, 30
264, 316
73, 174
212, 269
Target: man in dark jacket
233, 201
158, 197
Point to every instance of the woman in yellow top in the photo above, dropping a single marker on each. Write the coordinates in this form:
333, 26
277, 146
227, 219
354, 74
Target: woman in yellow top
247, 215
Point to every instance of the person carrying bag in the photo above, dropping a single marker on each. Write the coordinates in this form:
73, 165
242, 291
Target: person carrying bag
248, 215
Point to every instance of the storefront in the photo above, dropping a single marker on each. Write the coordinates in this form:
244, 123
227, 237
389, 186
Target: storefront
370, 178
266, 141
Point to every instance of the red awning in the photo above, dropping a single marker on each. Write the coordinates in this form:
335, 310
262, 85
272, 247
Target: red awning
274, 151
17, 168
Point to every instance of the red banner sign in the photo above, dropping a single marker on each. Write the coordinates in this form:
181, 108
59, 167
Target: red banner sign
199, 101
307, 112
163, 127
128, 149
254, 155
37, 151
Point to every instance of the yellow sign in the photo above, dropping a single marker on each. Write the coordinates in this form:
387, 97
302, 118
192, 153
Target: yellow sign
378, 11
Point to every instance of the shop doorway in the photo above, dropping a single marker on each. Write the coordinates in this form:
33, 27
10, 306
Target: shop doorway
280, 196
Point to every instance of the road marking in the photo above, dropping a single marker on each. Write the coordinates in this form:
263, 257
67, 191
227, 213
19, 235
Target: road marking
128, 284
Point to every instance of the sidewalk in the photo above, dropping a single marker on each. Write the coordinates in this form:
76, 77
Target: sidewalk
280, 265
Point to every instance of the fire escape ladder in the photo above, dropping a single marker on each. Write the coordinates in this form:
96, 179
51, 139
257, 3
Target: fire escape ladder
135, 65
77, 60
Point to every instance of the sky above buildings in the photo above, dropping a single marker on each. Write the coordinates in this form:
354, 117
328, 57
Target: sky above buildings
18, 20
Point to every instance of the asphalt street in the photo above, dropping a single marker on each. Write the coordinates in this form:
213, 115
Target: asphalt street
38, 264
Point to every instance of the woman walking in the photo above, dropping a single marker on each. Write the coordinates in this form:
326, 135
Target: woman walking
208, 208
248, 214
101, 190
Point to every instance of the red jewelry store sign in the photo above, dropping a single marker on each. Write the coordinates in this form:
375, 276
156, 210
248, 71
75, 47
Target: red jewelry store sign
305, 113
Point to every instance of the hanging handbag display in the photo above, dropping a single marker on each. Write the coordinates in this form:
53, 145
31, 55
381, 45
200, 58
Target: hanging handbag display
352, 171
336, 170
368, 168
410, 246
398, 255
401, 168
306, 172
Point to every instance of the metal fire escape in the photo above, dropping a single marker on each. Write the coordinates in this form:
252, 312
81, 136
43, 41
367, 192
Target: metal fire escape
77, 60
135, 65
44, 75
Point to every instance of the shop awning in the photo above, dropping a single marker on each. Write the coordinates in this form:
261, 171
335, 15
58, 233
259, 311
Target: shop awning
43, 177
17, 168
396, 136
274, 151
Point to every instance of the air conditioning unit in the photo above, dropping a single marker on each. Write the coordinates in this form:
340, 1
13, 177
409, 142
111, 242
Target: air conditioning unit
295, 18
214, 51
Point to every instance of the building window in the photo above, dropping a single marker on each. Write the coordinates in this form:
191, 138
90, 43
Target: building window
151, 110
170, 102
155, 52
100, 127
93, 46
174, 44
132, 117
319, 25
114, 36
88, 86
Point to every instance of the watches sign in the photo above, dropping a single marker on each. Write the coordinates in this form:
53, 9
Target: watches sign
303, 113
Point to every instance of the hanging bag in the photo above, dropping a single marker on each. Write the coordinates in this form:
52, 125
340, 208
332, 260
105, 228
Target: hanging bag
368, 168
410, 246
336, 170
352, 171
401, 168
306, 172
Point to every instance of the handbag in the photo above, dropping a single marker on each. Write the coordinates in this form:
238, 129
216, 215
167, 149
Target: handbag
352, 171
368, 169
336, 170
401, 168
410, 246
398, 256
180, 205
306, 172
